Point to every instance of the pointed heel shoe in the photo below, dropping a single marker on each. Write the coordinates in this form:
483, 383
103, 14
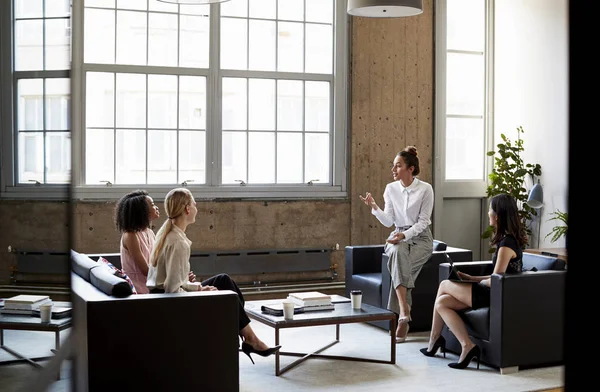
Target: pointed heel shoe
248, 349
439, 343
474, 352
403, 320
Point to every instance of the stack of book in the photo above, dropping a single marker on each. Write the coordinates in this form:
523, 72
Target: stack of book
311, 300
24, 304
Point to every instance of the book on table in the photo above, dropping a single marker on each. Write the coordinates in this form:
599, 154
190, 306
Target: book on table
25, 302
310, 298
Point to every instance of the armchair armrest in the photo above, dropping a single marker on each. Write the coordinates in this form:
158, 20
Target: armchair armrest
363, 259
528, 308
468, 267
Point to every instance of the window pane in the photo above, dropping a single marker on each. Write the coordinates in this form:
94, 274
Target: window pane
57, 8
234, 103
261, 157
319, 11
131, 157
289, 158
262, 45
156, 5
29, 9
193, 41
465, 149
31, 157
316, 158
290, 9
261, 105
58, 44
31, 104
192, 102
234, 157
58, 97
100, 99
99, 156
290, 47
132, 4
99, 36
461, 35
162, 157
466, 86
234, 41
162, 41
317, 106
131, 37
263, 9
162, 101
289, 105
195, 9
29, 45
58, 157
131, 100
235, 8
100, 3
192, 157
319, 48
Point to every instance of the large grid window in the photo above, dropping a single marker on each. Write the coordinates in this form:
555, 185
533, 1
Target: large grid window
246, 92
41, 88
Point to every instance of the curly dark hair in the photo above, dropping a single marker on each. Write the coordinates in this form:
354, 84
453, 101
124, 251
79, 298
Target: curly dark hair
509, 221
132, 212
410, 157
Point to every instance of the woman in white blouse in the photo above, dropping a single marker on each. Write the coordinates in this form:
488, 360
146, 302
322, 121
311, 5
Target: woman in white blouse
169, 269
408, 206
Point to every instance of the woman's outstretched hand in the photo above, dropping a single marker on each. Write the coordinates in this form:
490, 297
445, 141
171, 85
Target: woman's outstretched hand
368, 200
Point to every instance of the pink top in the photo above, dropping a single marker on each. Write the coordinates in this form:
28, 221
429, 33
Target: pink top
128, 265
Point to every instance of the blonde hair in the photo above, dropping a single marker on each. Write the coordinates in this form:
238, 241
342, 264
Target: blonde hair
175, 203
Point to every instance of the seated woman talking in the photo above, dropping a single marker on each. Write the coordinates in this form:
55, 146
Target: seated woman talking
509, 239
169, 269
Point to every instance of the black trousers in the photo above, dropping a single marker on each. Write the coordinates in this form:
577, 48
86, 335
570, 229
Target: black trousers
224, 282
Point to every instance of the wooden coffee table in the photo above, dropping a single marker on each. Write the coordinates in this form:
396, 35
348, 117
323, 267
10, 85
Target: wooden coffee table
342, 314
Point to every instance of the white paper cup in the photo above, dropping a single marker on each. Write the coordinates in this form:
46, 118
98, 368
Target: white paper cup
46, 312
288, 310
356, 299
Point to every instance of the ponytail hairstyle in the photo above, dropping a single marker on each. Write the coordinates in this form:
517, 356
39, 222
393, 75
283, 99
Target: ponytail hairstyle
175, 203
410, 157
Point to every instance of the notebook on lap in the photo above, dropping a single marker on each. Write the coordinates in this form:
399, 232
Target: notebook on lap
454, 275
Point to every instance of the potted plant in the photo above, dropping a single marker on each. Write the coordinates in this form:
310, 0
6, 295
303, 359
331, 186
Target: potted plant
508, 176
560, 230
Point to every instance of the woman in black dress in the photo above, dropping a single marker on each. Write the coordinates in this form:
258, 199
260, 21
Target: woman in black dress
509, 239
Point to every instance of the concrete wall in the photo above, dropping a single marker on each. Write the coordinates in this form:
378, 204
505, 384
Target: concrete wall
392, 106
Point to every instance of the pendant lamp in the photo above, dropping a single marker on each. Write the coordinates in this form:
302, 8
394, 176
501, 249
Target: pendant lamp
192, 2
385, 8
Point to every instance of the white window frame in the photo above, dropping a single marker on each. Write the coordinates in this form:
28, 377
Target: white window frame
337, 188
9, 160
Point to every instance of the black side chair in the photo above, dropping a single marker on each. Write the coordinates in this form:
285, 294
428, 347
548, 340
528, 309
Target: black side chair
364, 266
524, 324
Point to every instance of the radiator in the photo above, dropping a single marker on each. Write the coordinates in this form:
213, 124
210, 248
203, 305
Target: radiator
40, 267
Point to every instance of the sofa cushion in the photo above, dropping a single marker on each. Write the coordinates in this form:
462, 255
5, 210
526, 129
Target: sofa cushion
477, 322
439, 245
541, 262
81, 264
103, 279
117, 272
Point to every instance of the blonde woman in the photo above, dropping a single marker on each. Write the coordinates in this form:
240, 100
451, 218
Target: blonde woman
170, 266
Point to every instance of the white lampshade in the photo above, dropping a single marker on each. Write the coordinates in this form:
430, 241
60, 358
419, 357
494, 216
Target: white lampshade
385, 8
192, 2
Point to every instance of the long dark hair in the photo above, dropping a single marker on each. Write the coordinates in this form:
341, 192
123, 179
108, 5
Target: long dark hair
508, 220
132, 212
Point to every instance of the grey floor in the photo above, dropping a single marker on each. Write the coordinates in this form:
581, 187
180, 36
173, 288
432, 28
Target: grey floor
412, 371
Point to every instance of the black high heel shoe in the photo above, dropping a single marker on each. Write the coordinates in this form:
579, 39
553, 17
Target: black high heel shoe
474, 352
248, 349
439, 343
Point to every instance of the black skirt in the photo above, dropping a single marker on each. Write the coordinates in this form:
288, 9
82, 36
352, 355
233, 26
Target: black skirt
480, 295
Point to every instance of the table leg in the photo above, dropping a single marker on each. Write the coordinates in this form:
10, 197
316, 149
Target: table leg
57, 346
393, 340
277, 352
337, 332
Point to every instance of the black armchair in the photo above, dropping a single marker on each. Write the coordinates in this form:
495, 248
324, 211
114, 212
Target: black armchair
524, 325
364, 266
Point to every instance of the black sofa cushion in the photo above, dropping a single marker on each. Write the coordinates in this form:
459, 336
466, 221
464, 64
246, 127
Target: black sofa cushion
103, 279
477, 322
541, 262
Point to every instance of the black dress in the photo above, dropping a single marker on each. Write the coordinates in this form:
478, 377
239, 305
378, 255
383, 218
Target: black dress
480, 293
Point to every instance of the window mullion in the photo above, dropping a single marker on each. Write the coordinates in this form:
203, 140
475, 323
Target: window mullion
213, 101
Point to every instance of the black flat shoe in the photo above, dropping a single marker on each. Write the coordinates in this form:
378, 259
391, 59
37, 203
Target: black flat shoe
475, 352
439, 343
248, 349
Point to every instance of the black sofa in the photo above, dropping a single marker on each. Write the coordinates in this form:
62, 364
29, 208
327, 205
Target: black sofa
150, 342
524, 325
364, 266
